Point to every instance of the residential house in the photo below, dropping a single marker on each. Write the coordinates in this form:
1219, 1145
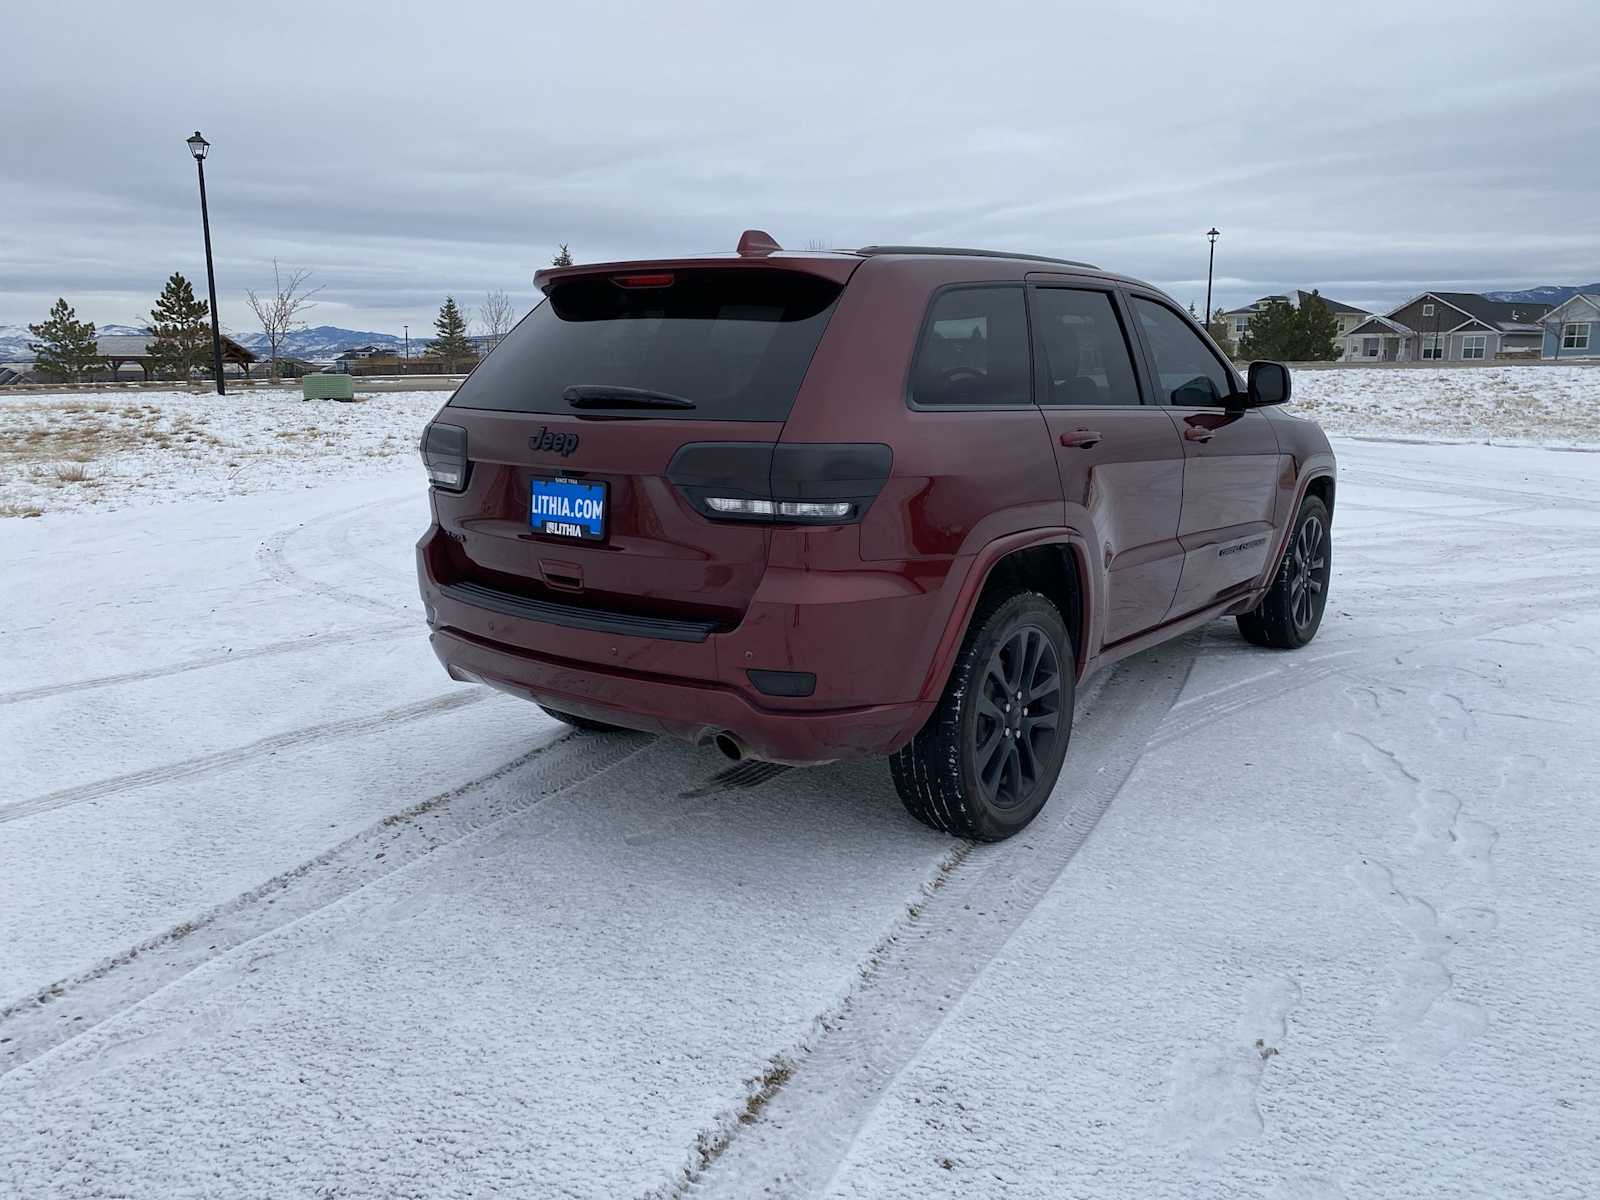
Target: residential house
1572, 328
1238, 319
1448, 327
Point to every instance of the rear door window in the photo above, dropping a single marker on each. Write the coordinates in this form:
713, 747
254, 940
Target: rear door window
735, 343
974, 350
1188, 374
1083, 352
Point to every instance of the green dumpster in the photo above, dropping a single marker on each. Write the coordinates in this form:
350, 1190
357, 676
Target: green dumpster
327, 387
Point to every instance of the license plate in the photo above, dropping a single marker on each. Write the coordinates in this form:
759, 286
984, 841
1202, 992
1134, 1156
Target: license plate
571, 508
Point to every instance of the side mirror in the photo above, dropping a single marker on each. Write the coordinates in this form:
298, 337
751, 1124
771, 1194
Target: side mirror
1269, 384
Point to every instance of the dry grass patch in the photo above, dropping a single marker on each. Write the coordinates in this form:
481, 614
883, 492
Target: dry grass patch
20, 510
74, 472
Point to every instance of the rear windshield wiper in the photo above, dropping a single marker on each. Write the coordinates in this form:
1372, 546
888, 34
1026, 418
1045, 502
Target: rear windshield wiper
601, 395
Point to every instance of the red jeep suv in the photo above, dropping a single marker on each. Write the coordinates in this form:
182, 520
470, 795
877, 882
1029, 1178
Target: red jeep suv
891, 501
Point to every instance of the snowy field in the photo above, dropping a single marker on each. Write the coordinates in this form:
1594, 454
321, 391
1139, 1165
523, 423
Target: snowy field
65, 452
284, 912
1515, 405
110, 450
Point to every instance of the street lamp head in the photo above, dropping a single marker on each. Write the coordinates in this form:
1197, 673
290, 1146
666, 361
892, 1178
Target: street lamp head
198, 145
1212, 234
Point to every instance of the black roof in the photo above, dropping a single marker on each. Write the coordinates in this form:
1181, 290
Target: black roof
1494, 312
869, 251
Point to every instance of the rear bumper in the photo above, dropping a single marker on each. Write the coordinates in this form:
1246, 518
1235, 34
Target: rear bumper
679, 708
864, 634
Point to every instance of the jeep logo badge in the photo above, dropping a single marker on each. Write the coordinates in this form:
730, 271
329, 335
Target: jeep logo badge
547, 439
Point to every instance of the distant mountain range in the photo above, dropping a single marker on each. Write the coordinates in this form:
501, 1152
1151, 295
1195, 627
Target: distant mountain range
1554, 293
327, 342
323, 342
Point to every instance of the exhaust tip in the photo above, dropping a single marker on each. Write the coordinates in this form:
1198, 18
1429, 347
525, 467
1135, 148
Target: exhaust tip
731, 746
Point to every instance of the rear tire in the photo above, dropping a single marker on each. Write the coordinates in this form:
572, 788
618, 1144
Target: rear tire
583, 723
986, 761
1289, 614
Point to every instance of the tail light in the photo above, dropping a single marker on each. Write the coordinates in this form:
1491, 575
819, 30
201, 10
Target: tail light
781, 483
444, 453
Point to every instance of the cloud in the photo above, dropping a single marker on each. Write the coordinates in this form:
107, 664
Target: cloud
404, 156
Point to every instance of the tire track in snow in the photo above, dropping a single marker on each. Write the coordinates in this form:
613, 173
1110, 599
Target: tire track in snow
370, 633
223, 759
803, 1114
59, 1012
274, 559
1199, 712
1458, 488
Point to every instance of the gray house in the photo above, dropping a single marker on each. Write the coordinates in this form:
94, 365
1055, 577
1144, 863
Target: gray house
1572, 328
1449, 327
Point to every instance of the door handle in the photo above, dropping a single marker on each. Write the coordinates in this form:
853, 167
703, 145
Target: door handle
1198, 433
1081, 438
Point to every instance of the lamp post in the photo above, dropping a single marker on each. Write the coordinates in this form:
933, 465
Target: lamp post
1212, 235
198, 147
406, 365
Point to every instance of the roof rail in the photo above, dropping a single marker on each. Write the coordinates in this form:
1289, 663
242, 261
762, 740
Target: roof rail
1068, 262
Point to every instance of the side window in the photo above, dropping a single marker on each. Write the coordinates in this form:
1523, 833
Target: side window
974, 349
1083, 352
1189, 374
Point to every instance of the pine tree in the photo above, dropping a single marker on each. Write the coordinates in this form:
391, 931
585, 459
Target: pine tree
1272, 332
66, 349
1221, 331
1318, 332
452, 345
179, 336
563, 257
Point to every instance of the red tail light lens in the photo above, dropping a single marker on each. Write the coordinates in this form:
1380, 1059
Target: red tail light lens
784, 483
658, 280
444, 453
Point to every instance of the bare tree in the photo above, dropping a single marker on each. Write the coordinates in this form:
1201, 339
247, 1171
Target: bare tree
1554, 326
279, 310
497, 316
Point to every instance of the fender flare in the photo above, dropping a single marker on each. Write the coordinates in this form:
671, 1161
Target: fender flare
1316, 468
976, 578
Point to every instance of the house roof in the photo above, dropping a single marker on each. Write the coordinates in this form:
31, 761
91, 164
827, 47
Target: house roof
1295, 298
1378, 325
1591, 298
1499, 314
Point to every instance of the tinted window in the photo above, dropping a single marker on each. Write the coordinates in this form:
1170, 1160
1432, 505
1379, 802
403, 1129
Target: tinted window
735, 342
1189, 373
1083, 352
974, 349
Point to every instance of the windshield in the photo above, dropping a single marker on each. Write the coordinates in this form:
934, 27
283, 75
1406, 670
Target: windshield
735, 343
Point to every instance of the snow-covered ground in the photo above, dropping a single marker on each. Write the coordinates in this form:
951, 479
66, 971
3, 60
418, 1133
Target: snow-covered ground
283, 911
1515, 405
67, 452
114, 449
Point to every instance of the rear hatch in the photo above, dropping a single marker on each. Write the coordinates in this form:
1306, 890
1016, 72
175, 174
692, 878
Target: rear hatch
572, 422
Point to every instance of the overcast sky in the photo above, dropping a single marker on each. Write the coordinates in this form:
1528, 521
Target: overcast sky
405, 152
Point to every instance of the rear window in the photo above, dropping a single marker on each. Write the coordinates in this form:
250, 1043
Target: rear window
735, 343
974, 350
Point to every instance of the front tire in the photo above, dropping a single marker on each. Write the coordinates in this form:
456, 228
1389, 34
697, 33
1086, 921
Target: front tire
1291, 611
989, 756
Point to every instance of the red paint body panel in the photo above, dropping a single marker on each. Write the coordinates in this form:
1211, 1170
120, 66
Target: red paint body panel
876, 609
